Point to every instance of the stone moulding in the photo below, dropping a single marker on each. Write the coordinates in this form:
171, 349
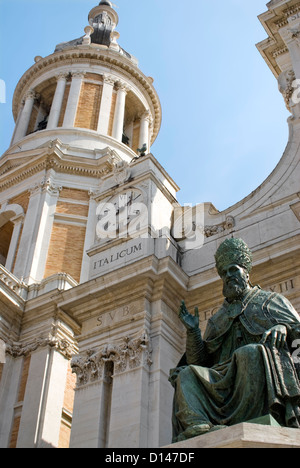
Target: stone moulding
89, 167
63, 346
227, 225
60, 281
129, 354
12, 282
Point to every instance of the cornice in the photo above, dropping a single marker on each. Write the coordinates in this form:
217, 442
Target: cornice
272, 21
53, 157
113, 60
154, 278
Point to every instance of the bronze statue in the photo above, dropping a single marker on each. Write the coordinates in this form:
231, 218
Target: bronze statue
243, 367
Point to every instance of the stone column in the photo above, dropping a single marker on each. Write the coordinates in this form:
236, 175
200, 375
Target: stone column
57, 101
17, 221
23, 121
17, 123
43, 401
105, 107
120, 112
73, 99
144, 130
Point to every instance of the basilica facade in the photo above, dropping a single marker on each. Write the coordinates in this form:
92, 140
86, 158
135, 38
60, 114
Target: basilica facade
96, 253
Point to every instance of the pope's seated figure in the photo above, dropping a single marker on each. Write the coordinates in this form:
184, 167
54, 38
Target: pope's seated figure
243, 367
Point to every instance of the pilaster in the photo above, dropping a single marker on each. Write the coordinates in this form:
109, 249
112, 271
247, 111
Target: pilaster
106, 377
91, 414
168, 345
89, 238
291, 37
33, 383
9, 388
49, 201
43, 400
30, 225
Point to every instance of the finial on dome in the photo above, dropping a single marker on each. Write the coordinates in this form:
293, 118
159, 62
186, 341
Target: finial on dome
103, 18
106, 2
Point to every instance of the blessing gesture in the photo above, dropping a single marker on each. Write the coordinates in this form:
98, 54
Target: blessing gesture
191, 322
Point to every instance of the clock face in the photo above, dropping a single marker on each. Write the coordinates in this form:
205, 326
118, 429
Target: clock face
115, 214
125, 199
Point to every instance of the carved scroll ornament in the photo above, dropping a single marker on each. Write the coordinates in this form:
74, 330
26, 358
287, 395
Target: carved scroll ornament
130, 354
64, 347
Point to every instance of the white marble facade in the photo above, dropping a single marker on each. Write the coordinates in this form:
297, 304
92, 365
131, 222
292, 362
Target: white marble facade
142, 252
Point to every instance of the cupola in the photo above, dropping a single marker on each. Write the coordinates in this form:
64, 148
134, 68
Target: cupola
90, 94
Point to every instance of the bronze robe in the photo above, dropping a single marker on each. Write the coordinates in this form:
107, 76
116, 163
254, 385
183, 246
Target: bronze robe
229, 377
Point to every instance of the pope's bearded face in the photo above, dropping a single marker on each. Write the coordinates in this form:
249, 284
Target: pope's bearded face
235, 281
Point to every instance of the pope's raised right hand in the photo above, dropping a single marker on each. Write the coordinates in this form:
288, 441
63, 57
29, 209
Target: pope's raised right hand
191, 322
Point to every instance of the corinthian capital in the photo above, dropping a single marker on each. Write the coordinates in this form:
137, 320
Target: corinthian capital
78, 74
62, 76
51, 188
31, 94
122, 86
147, 116
109, 79
131, 353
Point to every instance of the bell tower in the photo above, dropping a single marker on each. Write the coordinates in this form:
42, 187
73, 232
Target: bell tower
85, 119
96, 253
79, 112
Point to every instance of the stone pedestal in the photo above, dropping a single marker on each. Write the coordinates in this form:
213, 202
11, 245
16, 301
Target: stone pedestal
245, 435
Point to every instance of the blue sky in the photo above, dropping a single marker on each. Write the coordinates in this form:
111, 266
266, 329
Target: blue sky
224, 123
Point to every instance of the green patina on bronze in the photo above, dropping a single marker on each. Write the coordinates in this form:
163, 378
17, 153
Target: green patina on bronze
242, 369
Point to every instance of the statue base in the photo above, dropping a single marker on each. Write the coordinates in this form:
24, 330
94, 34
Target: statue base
261, 433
